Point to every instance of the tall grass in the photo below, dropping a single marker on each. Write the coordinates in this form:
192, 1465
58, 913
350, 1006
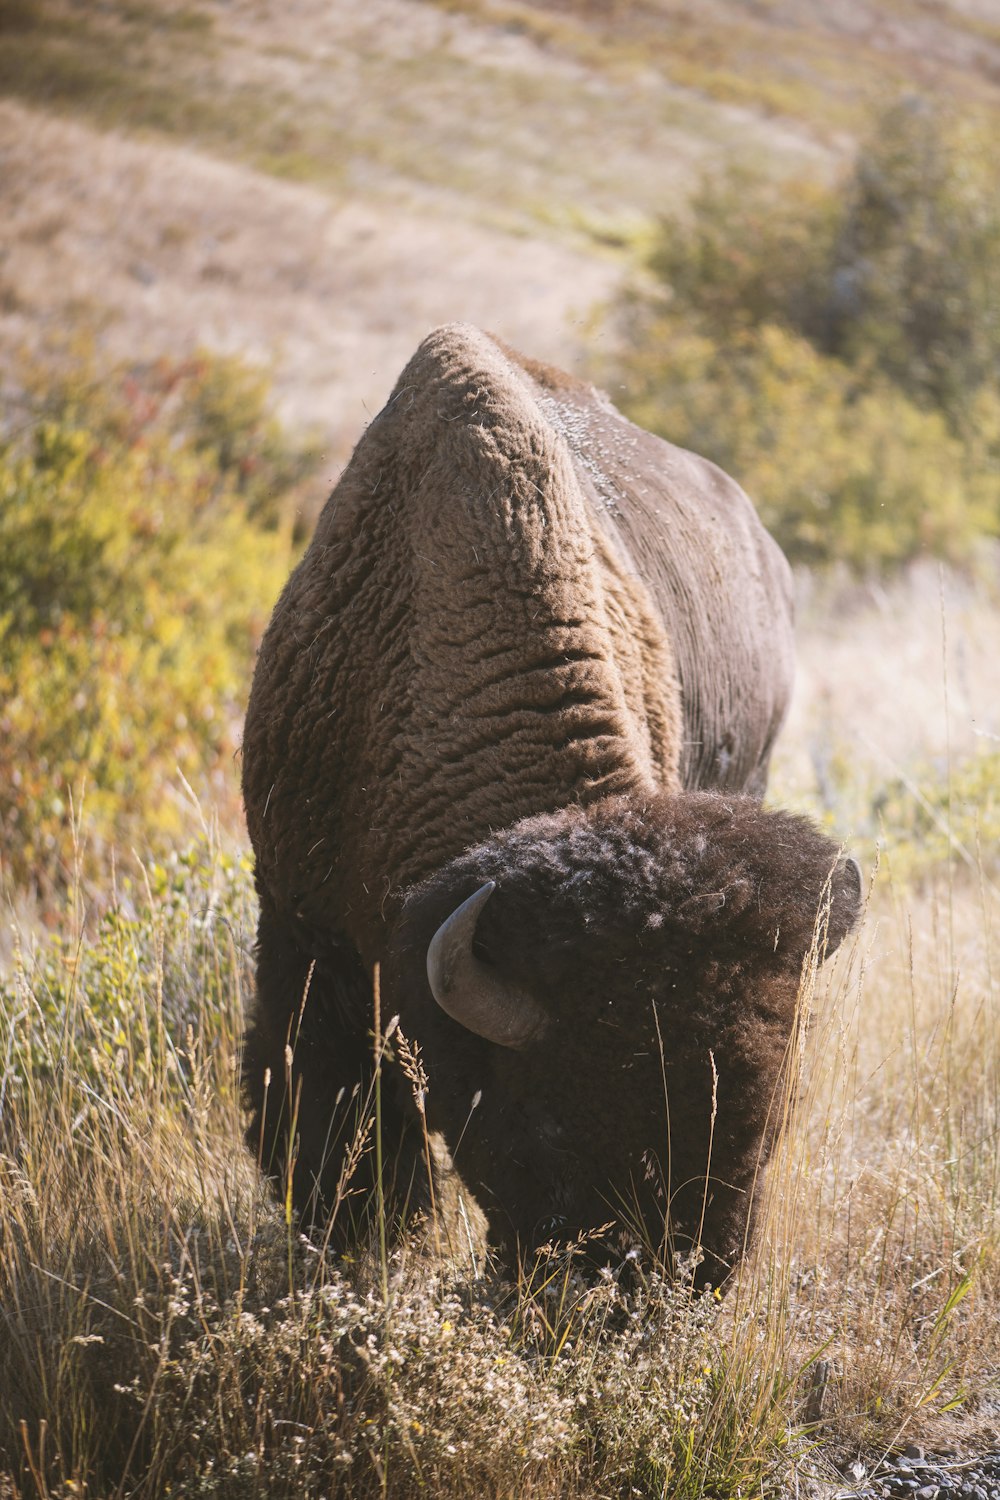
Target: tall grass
163, 1328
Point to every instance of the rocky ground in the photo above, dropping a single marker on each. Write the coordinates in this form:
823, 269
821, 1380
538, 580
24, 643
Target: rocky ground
919, 1475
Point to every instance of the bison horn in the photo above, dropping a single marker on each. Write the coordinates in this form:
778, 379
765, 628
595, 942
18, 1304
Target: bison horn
470, 991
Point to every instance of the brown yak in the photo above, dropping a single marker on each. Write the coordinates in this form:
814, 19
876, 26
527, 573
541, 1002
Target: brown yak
506, 737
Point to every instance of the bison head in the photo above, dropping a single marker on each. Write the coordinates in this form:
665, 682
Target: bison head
605, 998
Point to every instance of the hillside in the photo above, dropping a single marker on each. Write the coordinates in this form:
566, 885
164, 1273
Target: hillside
314, 186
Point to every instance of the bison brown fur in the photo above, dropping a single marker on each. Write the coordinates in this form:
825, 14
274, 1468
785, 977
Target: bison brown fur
500, 743
663, 942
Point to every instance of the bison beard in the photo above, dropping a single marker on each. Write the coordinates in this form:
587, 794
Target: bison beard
500, 739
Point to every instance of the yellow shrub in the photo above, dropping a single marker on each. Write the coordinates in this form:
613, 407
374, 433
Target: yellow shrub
133, 590
840, 466
837, 347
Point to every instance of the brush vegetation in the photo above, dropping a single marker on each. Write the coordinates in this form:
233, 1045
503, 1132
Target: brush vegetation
838, 348
146, 526
164, 1327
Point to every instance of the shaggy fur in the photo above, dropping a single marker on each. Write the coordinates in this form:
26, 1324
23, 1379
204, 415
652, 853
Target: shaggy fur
519, 612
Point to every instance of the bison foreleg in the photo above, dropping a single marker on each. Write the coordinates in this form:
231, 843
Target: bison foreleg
309, 1081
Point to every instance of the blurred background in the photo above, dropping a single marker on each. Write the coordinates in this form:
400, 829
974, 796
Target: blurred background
770, 228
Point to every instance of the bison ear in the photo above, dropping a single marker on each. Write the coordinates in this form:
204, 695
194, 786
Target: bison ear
845, 901
828, 910
474, 993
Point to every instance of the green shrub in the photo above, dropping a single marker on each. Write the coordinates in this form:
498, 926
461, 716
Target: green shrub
840, 466
136, 576
837, 348
159, 970
224, 405
914, 278
748, 251
896, 268
941, 816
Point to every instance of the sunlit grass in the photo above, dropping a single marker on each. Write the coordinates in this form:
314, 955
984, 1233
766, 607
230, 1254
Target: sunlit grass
163, 1326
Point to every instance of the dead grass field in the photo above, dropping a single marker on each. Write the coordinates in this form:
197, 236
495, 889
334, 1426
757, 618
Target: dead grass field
894, 680
157, 249
314, 187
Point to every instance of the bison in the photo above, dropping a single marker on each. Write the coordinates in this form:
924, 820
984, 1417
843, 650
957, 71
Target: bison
507, 736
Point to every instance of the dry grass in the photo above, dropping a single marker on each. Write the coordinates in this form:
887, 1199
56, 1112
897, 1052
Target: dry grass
226, 176
894, 732
241, 185
332, 294
822, 64
163, 1327
498, 111
888, 1212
